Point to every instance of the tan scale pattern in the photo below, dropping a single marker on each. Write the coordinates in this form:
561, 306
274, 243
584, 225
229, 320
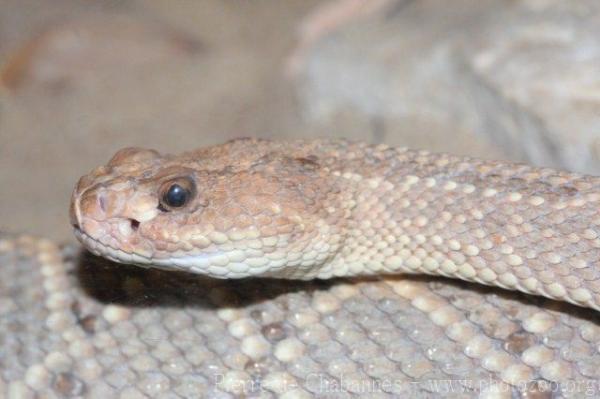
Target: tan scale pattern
326, 208
75, 325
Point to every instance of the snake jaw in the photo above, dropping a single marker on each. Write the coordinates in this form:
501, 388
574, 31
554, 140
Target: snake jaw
216, 264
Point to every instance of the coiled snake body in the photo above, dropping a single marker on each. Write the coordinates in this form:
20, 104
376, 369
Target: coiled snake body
313, 210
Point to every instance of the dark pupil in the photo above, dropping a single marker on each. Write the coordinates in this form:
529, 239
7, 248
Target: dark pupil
176, 196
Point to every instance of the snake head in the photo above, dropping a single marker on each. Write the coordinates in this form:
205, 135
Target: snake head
244, 208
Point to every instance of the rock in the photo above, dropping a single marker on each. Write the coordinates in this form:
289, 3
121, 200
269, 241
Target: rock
536, 80
521, 75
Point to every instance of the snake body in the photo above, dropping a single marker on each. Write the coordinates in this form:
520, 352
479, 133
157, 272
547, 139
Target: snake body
333, 208
310, 210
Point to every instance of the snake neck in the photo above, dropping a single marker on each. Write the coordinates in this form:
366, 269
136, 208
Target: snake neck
511, 226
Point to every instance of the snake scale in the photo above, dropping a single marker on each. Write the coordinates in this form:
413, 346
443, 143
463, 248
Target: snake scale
353, 244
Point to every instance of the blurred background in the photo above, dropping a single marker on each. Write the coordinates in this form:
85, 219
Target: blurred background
79, 79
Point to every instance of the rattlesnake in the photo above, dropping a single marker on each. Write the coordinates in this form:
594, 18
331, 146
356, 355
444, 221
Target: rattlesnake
322, 211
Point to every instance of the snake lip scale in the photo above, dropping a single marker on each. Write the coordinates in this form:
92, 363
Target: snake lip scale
116, 255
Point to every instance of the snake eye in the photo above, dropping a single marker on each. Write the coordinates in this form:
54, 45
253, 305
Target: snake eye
176, 194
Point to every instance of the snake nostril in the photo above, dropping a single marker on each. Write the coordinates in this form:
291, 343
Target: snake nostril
134, 224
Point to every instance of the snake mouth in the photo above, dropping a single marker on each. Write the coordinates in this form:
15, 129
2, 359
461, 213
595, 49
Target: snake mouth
99, 248
213, 264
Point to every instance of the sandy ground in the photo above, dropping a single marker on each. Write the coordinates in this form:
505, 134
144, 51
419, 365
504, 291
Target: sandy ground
70, 106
